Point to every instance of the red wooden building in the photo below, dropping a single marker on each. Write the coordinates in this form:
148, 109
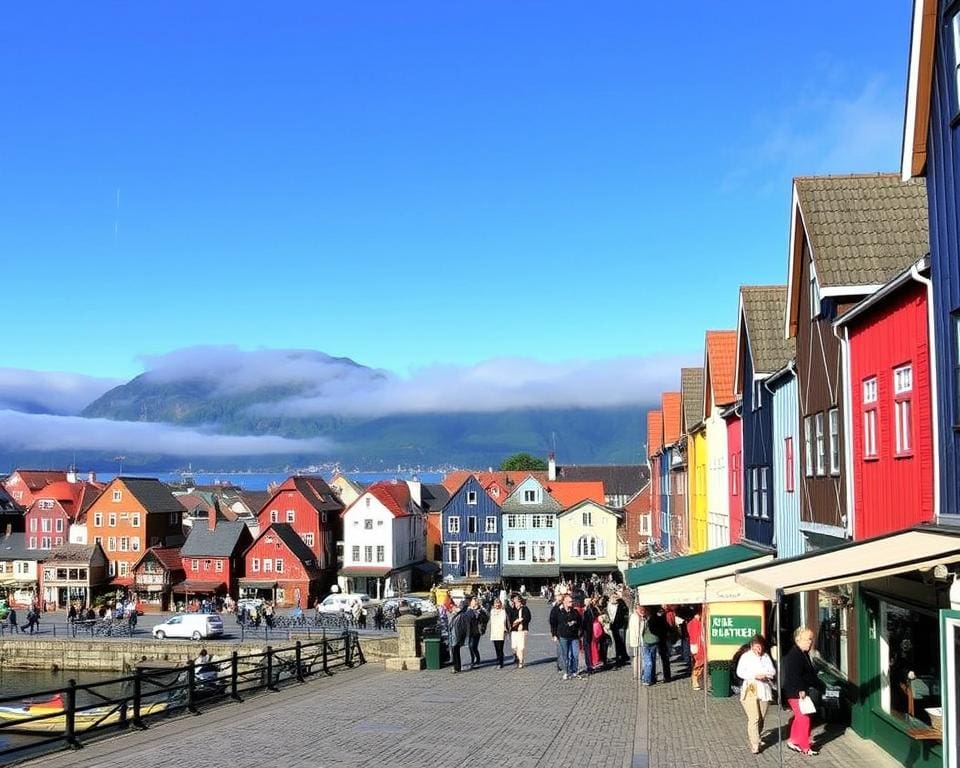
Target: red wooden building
735, 470
23, 484
56, 507
281, 567
890, 419
213, 557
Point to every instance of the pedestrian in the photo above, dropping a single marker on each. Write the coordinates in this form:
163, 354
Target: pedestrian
12, 618
634, 627
799, 679
756, 670
520, 625
378, 616
698, 648
72, 613
618, 627
650, 642
458, 628
33, 620
268, 614
589, 614
132, 618
499, 627
477, 622
356, 609
604, 641
554, 617
663, 630
569, 631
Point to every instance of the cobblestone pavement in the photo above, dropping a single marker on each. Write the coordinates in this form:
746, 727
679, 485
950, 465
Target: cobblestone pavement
368, 717
684, 735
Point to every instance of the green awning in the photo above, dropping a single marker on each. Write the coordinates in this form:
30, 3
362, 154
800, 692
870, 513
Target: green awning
682, 579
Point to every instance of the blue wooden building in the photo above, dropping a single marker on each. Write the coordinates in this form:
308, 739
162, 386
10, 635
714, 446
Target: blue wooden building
470, 527
787, 536
761, 350
931, 149
530, 544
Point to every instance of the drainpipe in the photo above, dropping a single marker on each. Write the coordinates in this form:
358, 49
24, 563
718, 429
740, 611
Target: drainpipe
934, 402
847, 426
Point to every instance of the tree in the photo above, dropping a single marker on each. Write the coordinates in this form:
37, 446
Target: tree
521, 462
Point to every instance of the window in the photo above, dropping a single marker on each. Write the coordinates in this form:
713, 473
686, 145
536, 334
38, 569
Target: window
112, 520
755, 492
118, 495
808, 445
46, 504
757, 403
548, 521
123, 565
909, 643
833, 422
112, 567
764, 513
58, 541
587, 518
511, 551
903, 379
112, 544
44, 542
267, 565
124, 544
453, 524
274, 515
453, 554
368, 524
308, 539
33, 525
814, 293
291, 515
135, 520
870, 434
788, 463
587, 546
644, 525
255, 563
135, 544
355, 553
512, 521
902, 410
491, 526
98, 519
537, 521
174, 518
33, 542
218, 565
278, 565
955, 28
471, 524
821, 447
735, 474
530, 496
471, 498
381, 553
521, 550
491, 552
870, 390
368, 554
206, 565
46, 525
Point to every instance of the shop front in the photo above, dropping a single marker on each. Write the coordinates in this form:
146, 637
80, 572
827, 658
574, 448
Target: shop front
529, 577
883, 609
73, 575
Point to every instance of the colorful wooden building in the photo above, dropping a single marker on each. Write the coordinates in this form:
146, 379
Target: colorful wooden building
719, 350
470, 522
530, 545
787, 535
654, 451
213, 558
732, 417
671, 406
691, 390
588, 539
281, 568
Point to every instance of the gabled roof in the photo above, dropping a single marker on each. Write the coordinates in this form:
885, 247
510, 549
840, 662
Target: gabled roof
618, 513
35, 479
640, 501
568, 493
721, 349
654, 432
75, 553
316, 491
670, 407
7, 504
193, 502
513, 503
220, 542
433, 497
453, 480
293, 542
153, 495
691, 389
393, 494
168, 557
617, 479
916, 122
13, 546
760, 323
862, 230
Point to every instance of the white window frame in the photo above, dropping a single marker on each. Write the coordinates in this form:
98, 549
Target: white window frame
869, 390
453, 524
491, 524
808, 445
308, 539
117, 495
291, 515
267, 565
453, 554
471, 498
530, 496
112, 520
586, 518
821, 444
218, 565
255, 565
381, 553
135, 520
903, 379
491, 553
870, 434
98, 519
274, 515
278, 565
833, 424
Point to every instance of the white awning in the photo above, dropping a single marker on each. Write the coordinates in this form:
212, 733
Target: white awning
919, 548
715, 585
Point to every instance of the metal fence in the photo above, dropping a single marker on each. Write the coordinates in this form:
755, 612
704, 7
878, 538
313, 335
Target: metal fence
64, 717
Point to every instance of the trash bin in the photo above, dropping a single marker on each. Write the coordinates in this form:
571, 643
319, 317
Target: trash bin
431, 650
720, 682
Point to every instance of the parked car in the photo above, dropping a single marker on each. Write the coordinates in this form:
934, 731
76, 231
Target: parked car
339, 602
195, 626
415, 605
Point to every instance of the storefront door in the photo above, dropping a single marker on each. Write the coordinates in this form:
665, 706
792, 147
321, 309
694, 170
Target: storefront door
473, 563
949, 684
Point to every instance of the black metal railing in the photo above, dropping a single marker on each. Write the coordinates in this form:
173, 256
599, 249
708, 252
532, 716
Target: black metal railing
65, 717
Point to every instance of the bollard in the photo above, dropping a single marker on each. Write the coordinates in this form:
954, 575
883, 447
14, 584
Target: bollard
70, 715
234, 676
347, 650
191, 689
326, 655
137, 693
270, 685
299, 663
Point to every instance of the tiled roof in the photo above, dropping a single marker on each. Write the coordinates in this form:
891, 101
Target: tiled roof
316, 491
453, 480
433, 497
513, 502
721, 354
194, 502
7, 504
394, 495
617, 479
863, 229
294, 543
569, 493
654, 432
670, 407
72, 553
691, 389
152, 494
14, 547
35, 479
220, 542
764, 307
168, 557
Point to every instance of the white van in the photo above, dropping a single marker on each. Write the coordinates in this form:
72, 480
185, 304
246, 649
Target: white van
195, 626
339, 602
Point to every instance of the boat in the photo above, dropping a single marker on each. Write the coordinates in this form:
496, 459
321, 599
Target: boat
19, 718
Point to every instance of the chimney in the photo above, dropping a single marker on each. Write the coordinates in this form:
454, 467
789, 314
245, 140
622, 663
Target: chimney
212, 518
91, 477
71, 475
551, 467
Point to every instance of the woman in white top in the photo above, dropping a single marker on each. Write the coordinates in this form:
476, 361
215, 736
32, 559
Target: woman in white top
499, 628
756, 670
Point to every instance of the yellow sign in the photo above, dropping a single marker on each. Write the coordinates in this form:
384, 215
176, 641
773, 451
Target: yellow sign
727, 626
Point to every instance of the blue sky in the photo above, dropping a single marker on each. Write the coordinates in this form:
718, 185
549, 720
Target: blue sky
411, 184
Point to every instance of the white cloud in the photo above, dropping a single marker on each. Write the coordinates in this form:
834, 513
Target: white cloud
48, 432
50, 391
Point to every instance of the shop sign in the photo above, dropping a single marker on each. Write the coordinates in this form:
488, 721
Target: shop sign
733, 630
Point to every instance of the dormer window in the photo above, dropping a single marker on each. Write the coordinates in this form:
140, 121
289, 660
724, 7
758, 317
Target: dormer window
118, 495
471, 498
530, 497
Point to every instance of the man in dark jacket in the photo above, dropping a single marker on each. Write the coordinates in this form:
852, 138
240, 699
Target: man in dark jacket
621, 617
459, 628
568, 637
12, 618
589, 615
658, 625
477, 620
554, 616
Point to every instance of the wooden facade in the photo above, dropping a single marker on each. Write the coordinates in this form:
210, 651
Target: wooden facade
759, 478
735, 472
471, 529
787, 536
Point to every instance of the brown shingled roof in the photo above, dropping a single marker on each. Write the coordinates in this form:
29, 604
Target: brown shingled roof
763, 310
863, 229
670, 405
691, 388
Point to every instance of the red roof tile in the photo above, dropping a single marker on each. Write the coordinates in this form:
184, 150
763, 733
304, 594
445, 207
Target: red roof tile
670, 403
394, 495
721, 354
509, 480
654, 432
569, 493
